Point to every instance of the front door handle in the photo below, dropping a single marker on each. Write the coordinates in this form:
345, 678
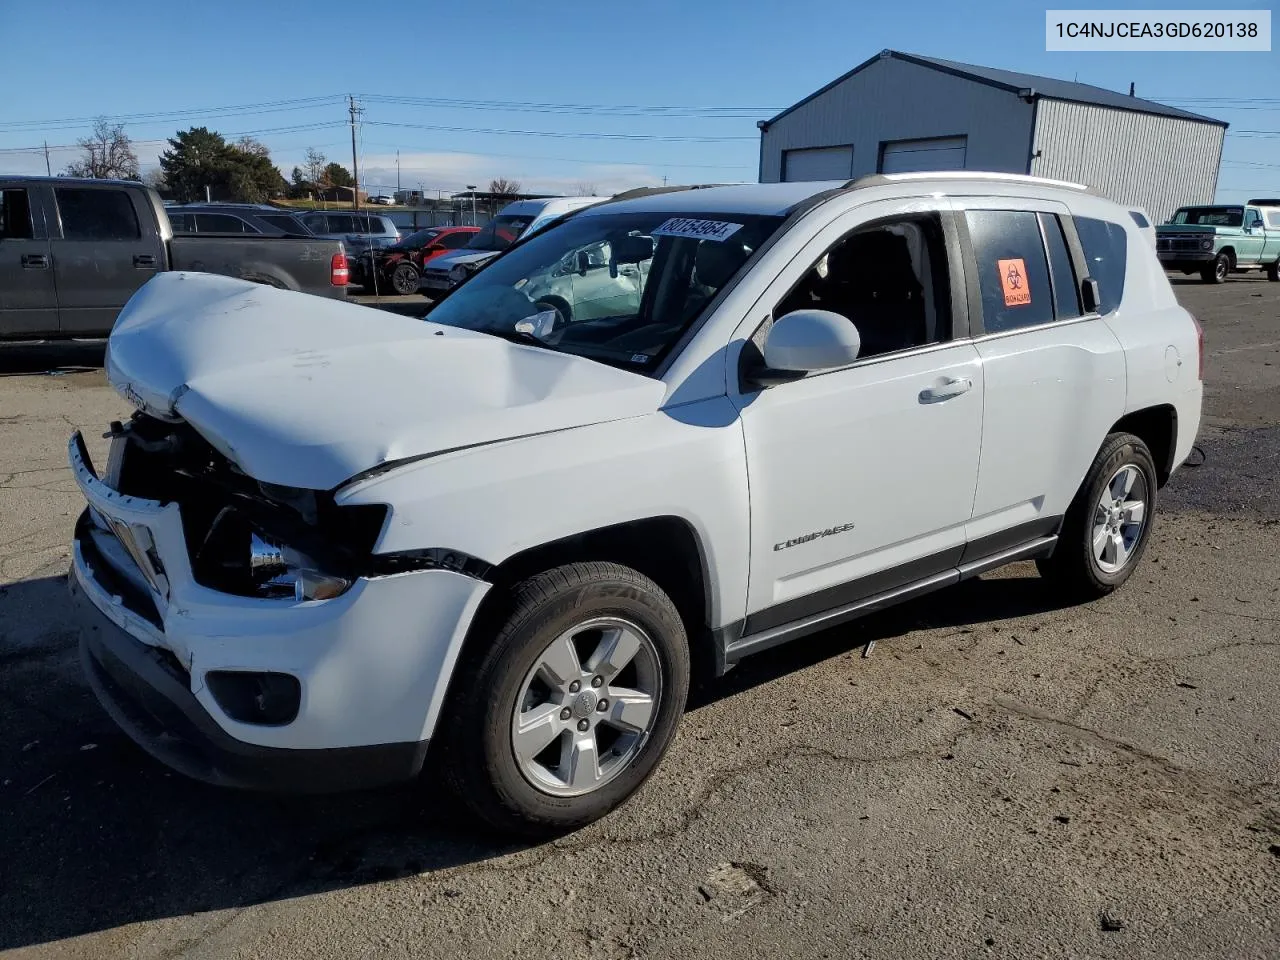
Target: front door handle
35, 261
144, 260
949, 388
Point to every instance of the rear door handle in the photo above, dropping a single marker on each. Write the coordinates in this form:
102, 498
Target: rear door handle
35, 261
949, 388
143, 260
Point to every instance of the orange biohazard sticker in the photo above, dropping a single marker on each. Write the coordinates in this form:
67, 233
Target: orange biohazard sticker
1013, 279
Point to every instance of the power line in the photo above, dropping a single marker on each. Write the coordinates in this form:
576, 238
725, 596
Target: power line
557, 135
270, 106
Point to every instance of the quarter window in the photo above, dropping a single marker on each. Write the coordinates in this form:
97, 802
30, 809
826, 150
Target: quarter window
91, 214
889, 280
1105, 251
1013, 274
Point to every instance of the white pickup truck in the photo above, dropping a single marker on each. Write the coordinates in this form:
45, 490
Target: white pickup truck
322, 544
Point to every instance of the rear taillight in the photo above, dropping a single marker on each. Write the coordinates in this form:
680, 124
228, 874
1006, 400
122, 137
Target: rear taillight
339, 272
1199, 347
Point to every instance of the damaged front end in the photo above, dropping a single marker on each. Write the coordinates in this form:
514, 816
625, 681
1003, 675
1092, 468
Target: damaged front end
244, 537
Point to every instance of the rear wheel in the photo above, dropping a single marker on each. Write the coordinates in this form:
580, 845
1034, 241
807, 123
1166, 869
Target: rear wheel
404, 278
1217, 271
1109, 522
563, 715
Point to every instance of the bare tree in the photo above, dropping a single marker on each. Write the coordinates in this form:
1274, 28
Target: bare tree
313, 166
255, 148
502, 188
108, 154
154, 178
585, 189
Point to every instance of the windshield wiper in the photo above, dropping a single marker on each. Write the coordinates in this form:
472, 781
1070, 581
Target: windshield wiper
518, 336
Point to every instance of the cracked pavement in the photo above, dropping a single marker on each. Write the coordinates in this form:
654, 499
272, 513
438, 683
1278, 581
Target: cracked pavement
1002, 777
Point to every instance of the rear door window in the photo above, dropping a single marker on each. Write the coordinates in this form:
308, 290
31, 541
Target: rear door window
456, 240
1273, 219
221, 223
1013, 274
1105, 252
96, 214
15, 215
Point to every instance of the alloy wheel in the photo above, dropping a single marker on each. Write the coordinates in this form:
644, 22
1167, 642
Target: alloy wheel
586, 707
1119, 518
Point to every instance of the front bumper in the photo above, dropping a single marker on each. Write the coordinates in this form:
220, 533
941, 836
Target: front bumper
147, 693
434, 282
1186, 256
373, 664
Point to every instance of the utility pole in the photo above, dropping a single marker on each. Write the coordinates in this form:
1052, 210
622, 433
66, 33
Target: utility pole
47, 168
355, 169
397, 171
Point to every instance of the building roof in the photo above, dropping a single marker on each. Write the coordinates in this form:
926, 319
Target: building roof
1019, 83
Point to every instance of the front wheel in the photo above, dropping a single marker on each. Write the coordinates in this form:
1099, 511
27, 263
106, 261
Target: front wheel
404, 279
1273, 271
564, 714
1217, 271
1109, 522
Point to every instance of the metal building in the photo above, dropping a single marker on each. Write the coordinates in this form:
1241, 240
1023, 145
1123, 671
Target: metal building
899, 112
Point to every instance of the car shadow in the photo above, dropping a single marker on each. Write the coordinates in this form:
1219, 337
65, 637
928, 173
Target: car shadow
980, 600
52, 357
97, 835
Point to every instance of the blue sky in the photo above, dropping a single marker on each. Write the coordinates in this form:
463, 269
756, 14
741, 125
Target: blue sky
700, 56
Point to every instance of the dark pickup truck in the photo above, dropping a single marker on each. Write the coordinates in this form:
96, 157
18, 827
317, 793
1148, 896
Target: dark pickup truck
72, 252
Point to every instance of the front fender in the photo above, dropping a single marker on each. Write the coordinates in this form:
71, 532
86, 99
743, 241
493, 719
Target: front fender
495, 501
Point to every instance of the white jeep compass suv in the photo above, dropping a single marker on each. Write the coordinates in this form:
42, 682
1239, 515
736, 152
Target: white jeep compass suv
327, 539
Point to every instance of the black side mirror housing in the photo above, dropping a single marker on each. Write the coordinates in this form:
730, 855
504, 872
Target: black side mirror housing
1090, 295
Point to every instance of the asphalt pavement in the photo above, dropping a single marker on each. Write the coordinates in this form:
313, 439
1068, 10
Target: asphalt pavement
1004, 776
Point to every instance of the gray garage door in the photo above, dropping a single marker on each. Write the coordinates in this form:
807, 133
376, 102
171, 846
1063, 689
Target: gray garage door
940, 153
817, 163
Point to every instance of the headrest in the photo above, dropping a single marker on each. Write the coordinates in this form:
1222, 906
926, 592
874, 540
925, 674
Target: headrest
716, 262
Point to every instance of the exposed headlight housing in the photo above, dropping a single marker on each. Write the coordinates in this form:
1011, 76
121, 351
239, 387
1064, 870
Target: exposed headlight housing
459, 272
280, 571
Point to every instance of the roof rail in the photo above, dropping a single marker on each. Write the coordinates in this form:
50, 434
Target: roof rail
652, 191
883, 179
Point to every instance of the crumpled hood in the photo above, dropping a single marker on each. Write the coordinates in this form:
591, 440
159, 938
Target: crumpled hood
307, 392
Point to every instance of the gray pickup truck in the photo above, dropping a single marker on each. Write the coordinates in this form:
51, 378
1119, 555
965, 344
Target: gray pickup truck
72, 252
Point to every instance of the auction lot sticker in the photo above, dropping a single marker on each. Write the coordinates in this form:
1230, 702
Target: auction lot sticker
697, 229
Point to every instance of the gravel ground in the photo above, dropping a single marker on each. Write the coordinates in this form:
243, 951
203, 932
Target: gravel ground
1003, 777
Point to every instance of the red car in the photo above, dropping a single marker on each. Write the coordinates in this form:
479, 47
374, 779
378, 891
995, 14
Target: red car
399, 265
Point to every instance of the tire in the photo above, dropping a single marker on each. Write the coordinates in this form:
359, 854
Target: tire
1082, 566
404, 279
1217, 271
1273, 271
563, 315
505, 679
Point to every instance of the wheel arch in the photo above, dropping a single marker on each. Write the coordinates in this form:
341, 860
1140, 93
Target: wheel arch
561, 304
666, 549
1157, 427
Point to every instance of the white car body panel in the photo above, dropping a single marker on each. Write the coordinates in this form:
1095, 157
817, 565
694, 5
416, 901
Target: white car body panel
492, 448
308, 395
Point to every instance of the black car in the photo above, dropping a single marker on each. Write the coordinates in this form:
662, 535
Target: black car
235, 218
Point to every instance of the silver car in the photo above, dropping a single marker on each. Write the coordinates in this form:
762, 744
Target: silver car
591, 282
359, 232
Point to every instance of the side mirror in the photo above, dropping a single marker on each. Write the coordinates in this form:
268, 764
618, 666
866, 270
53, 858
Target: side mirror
805, 341
434, 247
584, 262
1091, 294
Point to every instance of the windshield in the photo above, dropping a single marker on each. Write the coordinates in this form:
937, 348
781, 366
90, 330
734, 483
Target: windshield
1211, 216
500, 233
620, 288
415, 240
